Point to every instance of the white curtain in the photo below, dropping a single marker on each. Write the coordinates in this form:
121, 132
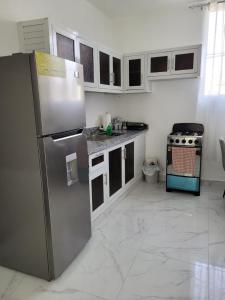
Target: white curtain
211, 102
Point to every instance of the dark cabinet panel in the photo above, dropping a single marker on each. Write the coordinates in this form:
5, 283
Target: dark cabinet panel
104, 64
135, 72
129, 162
159, 64
97, 185
117, 71
87, 60
65, 47
115, 171
184, 61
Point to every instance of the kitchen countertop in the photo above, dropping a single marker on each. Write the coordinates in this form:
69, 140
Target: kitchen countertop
96, 146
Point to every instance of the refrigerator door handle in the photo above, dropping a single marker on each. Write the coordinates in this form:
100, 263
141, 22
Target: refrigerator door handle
68, 135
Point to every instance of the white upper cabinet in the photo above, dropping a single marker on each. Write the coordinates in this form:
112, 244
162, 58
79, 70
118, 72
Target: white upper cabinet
44, 36
174, 63
104, 64
64, 42
87, 56
134, 72
109, 70
185, 61
104, 70
102, 67
135, 79
117, 74
159, 64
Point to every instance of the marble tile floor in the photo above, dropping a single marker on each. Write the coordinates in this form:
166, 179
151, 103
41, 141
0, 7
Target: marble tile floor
151, 245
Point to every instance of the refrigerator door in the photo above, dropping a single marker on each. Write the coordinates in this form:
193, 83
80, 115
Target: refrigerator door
23, 244
58, 94
65, 160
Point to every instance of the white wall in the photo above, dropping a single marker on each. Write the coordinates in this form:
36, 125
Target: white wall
98, 104
159, 29
171, 101
78, 15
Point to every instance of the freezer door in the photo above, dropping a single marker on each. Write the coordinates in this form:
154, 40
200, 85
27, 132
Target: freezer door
58, 94
67, 196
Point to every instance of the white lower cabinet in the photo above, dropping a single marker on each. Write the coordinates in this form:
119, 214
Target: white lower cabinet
113, 171
98, 190
98, 182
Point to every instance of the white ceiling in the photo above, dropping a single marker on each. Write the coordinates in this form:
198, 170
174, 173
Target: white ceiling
123, 8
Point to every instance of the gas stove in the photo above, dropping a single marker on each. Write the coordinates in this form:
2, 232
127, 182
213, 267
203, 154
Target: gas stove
186, 135
184, 158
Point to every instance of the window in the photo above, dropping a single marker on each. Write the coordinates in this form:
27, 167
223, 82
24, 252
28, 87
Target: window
215, 59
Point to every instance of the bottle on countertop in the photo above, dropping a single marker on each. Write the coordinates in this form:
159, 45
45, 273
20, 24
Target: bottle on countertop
106, 120
109, 129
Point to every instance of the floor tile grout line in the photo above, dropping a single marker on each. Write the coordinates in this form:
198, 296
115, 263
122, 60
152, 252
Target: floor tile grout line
132, 264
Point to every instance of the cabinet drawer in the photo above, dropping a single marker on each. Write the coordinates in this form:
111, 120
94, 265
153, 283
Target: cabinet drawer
97, 161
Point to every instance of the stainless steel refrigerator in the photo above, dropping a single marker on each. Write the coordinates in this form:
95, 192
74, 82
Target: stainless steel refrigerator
44, 194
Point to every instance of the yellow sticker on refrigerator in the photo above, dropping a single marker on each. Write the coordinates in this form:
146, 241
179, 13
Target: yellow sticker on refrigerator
49, 65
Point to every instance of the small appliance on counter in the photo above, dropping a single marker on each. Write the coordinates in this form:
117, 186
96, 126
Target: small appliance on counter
136, 126
184, 156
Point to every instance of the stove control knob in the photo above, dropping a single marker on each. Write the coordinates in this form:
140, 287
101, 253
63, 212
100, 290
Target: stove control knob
190, 141
177, 141
184, 141
196, 142
171, 141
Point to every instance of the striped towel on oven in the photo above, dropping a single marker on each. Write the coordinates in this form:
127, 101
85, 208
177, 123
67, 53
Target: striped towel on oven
183, 160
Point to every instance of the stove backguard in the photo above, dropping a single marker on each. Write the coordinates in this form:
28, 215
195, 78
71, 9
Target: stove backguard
188, 127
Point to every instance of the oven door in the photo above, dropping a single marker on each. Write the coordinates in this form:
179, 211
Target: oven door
183, 169
184, 161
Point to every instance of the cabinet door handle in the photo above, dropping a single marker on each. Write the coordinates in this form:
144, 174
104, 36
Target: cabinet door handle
106, 178
173, 63
168, 64
111, 77
125, 153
